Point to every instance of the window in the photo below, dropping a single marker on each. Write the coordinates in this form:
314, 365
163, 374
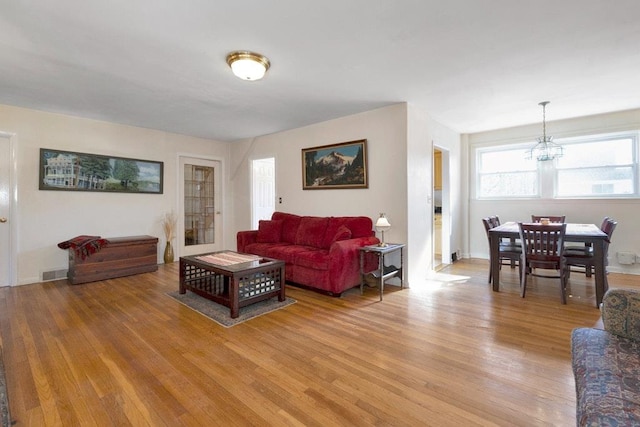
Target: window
595, 166
505, 173
199, 206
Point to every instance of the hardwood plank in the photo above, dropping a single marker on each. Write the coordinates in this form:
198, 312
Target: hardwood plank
121, 352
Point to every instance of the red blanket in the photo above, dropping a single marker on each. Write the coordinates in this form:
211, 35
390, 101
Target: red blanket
84, 245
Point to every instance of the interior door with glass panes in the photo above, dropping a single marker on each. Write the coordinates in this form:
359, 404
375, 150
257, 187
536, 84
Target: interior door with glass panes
200, 219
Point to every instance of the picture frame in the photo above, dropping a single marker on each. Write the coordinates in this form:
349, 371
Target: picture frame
335, 166
73, 171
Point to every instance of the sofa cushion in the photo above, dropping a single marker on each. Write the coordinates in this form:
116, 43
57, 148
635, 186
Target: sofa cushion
606, 368
263, 249
315, 258
360, 226
311, 231
269, 231
289, 225
343, 233
285, 252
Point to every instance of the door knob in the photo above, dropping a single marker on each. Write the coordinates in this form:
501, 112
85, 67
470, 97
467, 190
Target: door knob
3, 219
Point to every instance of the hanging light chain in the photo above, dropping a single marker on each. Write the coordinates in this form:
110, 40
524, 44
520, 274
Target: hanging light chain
544, 119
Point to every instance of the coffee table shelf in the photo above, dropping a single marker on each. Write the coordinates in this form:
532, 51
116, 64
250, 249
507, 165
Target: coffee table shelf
233, 286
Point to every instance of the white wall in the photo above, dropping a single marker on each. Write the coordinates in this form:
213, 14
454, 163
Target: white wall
384, 129
399, 142
449, 140
399, 145
626, 212
423, 134
46, 218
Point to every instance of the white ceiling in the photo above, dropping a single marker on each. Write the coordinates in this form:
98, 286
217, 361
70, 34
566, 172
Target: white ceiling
473, 65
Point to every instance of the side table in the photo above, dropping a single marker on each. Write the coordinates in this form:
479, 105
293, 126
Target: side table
383, 272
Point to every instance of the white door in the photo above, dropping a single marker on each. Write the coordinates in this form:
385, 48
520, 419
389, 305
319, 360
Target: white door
200, 212
263, 189
5, 210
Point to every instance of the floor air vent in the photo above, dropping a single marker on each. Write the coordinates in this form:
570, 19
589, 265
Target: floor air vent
54, 275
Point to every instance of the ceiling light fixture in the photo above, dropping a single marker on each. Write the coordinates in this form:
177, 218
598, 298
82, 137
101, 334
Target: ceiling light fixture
545, 149
248, 65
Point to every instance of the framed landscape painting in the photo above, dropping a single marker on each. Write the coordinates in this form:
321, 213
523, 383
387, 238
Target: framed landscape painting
71, 171
335, 166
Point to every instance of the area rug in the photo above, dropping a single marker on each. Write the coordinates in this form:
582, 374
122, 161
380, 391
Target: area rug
5, 417
221, 314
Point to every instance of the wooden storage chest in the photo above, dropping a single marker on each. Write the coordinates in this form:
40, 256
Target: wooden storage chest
123, 256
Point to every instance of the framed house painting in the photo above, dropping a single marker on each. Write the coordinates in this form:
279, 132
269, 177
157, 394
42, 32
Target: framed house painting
335, 166
72, 171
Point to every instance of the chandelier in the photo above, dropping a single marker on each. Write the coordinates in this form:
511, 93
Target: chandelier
545, 149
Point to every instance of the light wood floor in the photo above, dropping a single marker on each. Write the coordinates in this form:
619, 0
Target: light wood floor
121, 352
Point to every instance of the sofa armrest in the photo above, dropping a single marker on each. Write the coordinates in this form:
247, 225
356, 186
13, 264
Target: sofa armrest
350, 246
621, 313
244, 238
345, 259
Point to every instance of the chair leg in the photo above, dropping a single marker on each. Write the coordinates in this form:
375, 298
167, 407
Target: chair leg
523, 281
520, 272
563, 285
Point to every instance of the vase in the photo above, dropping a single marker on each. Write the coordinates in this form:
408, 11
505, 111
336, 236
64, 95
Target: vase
168, 253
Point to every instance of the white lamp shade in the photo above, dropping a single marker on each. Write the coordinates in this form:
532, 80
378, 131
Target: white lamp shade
382, 224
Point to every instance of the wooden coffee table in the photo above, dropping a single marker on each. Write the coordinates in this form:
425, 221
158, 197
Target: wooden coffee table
232, 279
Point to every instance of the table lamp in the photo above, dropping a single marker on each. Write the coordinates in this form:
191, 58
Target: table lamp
382, 225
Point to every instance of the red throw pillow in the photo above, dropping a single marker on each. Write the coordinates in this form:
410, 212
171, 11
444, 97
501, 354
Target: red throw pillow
269, 231
343, 233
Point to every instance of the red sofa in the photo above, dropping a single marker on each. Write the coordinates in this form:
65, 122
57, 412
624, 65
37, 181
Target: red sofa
319, 252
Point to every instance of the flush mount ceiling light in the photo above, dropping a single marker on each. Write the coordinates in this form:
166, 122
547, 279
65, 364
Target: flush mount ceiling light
545, 149
248, 65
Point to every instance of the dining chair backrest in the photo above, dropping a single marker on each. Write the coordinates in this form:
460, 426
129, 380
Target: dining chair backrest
551, 218
488, 225
542, 244
607, 227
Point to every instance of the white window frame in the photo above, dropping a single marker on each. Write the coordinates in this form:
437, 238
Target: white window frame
548, 171
478, 172
633, 135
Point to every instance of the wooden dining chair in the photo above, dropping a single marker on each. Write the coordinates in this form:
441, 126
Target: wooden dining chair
584, 256
542, 249
551, 218
508, 251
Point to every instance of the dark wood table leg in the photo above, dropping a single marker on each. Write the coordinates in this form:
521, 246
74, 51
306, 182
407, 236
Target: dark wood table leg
182, 288
234, 302
281, 296
494, 259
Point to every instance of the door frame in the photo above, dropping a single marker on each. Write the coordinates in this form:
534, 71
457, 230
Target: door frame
220, 218
12, 139
446, 208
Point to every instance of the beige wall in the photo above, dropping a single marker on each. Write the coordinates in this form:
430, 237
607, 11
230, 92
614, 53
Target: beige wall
48, 217
399, 144
399, 141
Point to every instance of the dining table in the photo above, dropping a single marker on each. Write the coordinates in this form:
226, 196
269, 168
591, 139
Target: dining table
584, 233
